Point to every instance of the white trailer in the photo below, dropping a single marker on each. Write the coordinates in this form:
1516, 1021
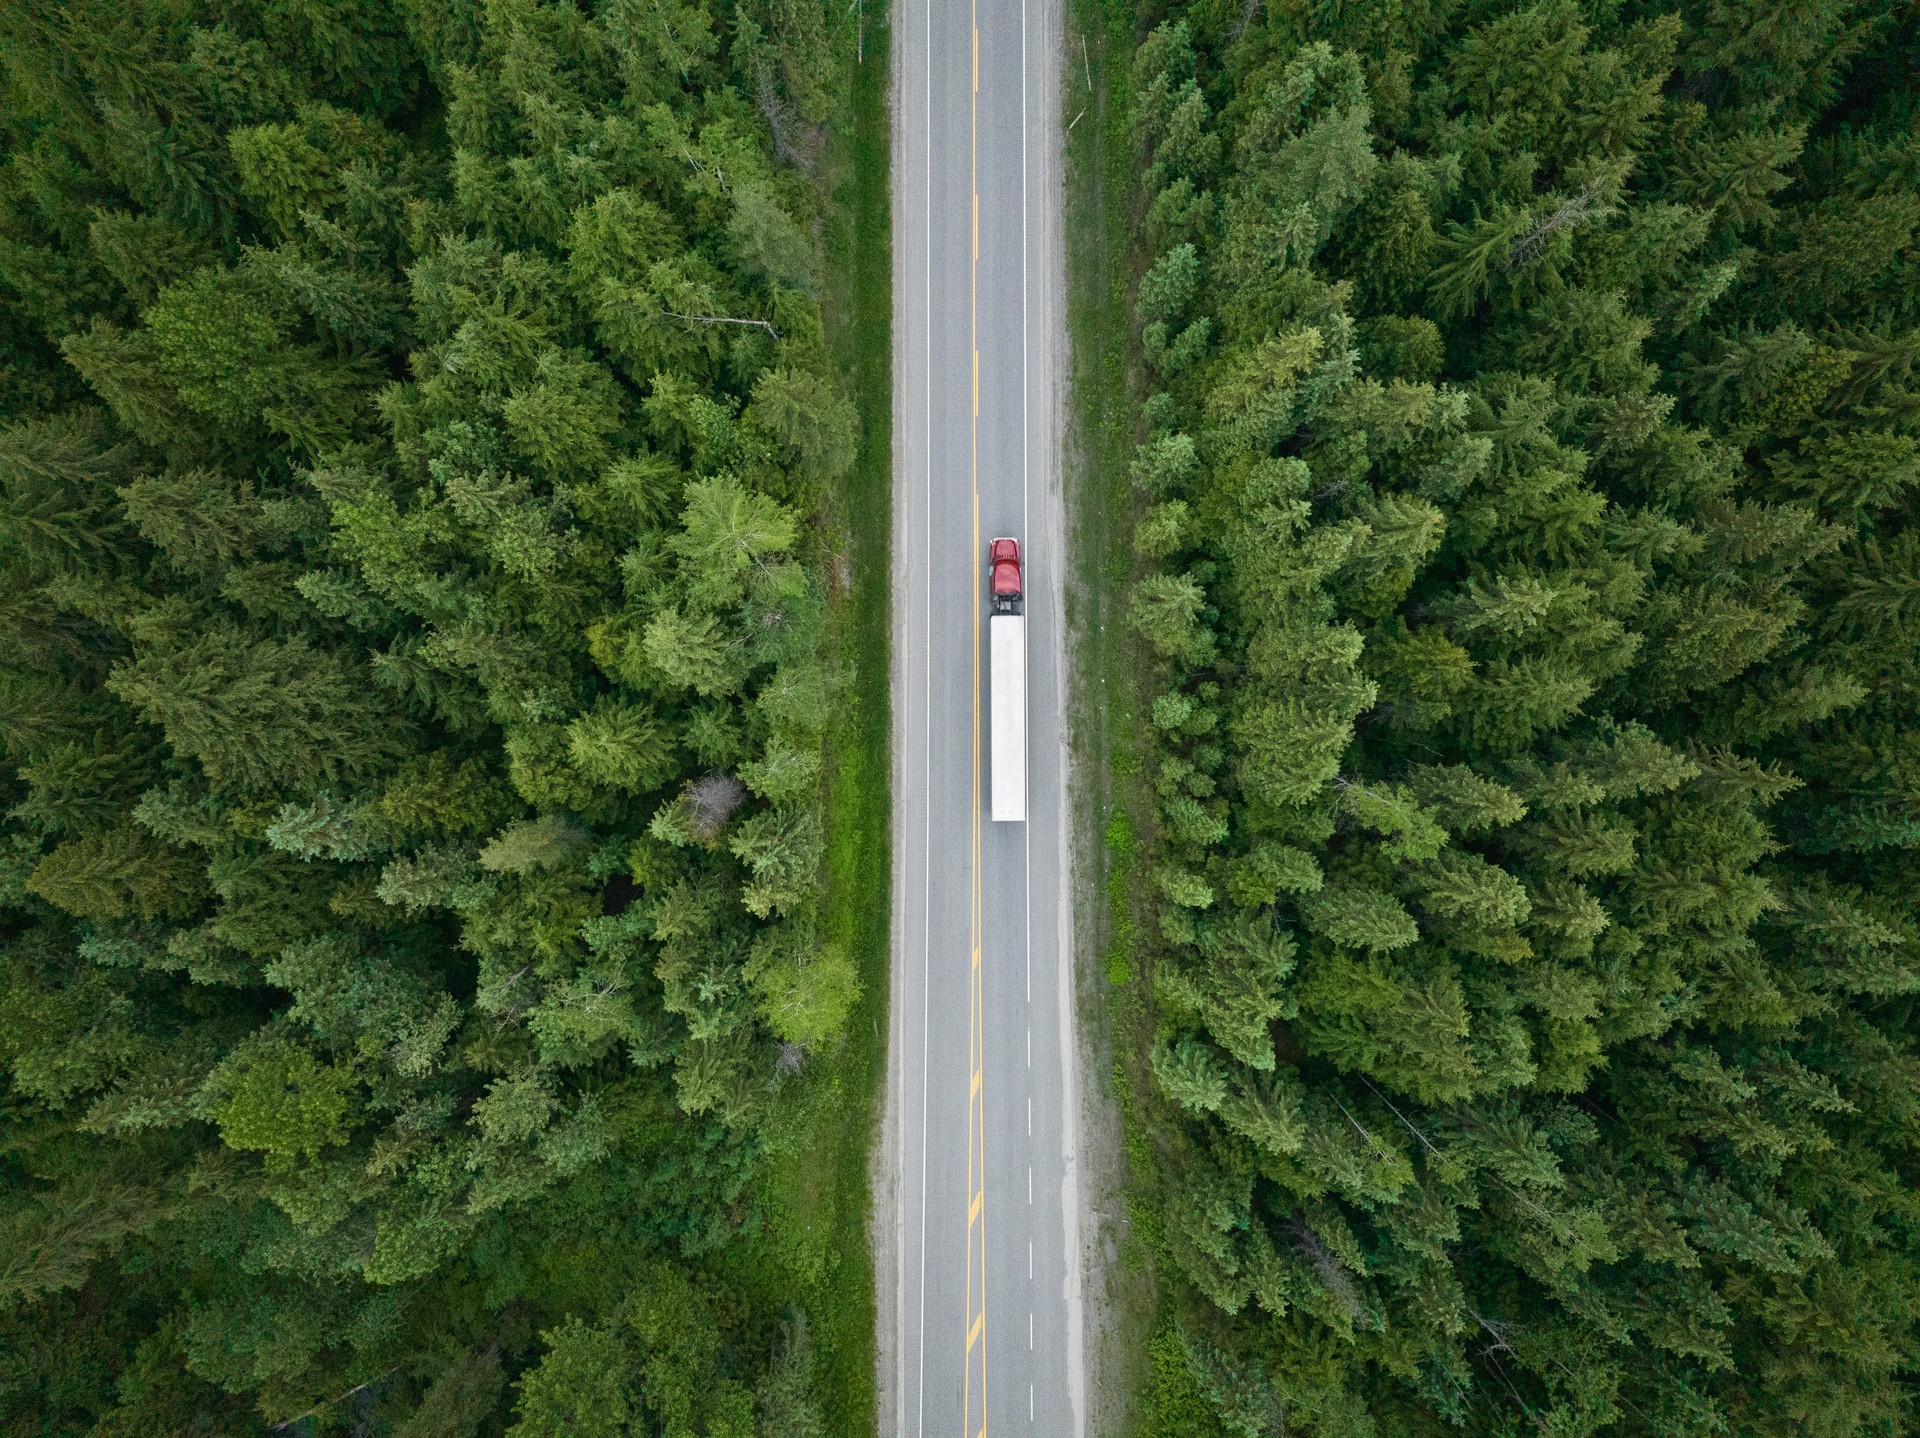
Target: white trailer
1007, 647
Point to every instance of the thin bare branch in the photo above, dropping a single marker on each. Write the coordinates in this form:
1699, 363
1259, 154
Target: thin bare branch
1571, 212
721, 320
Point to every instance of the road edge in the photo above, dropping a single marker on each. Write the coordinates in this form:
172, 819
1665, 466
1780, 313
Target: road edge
1079, 1219
885, 1221
1107, 806
859, 915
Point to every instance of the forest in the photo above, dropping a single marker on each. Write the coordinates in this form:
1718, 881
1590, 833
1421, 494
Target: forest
415, 422
1528, 436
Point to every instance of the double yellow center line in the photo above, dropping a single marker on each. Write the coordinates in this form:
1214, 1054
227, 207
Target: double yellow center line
976, 1373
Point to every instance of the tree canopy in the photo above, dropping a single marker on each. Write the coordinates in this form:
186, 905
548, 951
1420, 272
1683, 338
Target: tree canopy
1527, 529
416, 424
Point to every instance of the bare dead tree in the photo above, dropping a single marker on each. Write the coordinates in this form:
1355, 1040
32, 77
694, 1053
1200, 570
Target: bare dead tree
721, 320
1360, 1129
779, 124
1425, 1141
711, 801
1580, 208
368, 1388
1331, 1272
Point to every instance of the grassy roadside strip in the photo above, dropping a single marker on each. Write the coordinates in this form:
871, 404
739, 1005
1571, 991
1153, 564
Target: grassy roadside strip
1111, 804
811, 1251
1143, 1386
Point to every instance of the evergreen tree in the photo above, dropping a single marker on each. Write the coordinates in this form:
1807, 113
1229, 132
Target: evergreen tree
1525, 625
415, 428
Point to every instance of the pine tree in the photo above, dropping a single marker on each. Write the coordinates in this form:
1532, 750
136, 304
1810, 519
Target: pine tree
326, 872
117, 873
1557, 692
579, 1389
620, 745
788, 1408
725, 530
806, 415
256, 710
280, 1098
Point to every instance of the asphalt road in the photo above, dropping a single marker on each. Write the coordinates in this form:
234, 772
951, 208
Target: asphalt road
986, 1327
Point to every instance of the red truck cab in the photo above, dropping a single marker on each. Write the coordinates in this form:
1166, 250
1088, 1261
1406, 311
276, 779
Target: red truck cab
1004, 556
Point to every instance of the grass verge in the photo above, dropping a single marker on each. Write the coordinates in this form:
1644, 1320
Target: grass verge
1140, 1374
1111, 807
811, 1251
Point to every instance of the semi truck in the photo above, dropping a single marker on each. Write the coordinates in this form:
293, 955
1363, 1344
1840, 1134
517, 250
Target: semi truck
1007, 662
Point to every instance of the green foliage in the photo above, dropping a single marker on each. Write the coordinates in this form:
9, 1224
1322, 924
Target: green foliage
1527, 616
280, 1099
578, 1389
415, 424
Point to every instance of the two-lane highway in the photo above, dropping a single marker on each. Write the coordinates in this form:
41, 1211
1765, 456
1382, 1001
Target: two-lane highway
986, 1331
